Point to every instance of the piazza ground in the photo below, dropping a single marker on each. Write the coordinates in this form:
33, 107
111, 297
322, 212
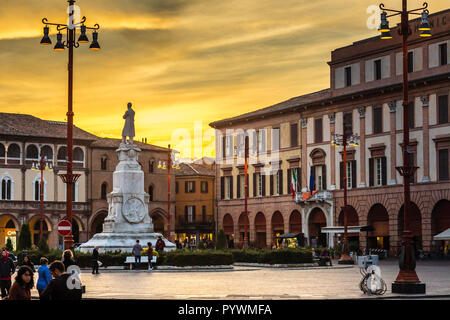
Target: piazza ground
255, 283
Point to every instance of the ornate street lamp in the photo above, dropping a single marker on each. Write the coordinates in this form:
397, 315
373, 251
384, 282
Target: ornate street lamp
245, 187
174, 164
69, 178
407, 280
42, 165
344, 140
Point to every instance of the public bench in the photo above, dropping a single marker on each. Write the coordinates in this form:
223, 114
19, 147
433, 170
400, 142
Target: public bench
144, 259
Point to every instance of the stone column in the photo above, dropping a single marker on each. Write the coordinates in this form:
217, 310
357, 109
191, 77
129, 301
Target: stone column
392, 108
304, 122
362, 146
426, 138
332, 117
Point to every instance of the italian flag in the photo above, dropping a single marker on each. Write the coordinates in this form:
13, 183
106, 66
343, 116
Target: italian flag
293, 183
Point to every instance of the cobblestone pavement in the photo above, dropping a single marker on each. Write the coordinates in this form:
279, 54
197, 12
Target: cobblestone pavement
255, 283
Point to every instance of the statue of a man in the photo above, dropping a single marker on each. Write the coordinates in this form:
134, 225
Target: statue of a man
128, 129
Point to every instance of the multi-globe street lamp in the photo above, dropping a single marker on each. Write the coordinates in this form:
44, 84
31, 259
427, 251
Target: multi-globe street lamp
69, 178
407, 280
42, 165
246, 143
344, 140
174, 164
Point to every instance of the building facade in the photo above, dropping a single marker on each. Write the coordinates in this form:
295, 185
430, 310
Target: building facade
195, 202
365, 93
24, 137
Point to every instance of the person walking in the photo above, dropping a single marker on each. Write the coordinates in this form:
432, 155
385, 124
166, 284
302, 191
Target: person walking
137, 248
325, 255
7, 268
67, 259
21, 289
150, 255
95, 261
58, 289
27, 262
44, 275
159, 246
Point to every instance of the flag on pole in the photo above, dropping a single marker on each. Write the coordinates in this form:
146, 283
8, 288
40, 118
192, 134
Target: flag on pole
293, 183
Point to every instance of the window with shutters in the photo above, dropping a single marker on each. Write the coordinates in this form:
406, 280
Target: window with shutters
259, 185
443, 164
318, 134
204, 186
443, 54
377, 69
378, 172
349, 175
443, 109
262, 139
103, 164
229, 148
151, 166
277, 184
189, 186
377, 120
275, 139
190, 214
203, 214
348, 76
348, 122
410, 61
294, 134
241, 186
411, 114
176, 187
103, 191
229, 187
6, 188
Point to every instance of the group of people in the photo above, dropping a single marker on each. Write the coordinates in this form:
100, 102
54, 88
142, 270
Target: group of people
137, 252
188, 244
52, 283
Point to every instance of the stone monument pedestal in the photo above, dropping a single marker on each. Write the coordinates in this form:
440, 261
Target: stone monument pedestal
128, 219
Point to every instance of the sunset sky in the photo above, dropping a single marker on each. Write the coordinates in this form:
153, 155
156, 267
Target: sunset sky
178, 61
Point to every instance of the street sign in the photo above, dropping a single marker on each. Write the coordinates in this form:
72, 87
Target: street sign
64, 228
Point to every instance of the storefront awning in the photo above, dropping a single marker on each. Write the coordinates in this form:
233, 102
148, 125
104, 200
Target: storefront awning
443, 235
340, 229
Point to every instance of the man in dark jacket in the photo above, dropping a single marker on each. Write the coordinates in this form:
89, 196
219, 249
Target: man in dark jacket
62, 286
95, 261
7, 268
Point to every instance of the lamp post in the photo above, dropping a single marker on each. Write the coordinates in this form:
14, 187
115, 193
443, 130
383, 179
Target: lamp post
245, 189
69, 178
347, 138
407, 280
41, 165
162, 165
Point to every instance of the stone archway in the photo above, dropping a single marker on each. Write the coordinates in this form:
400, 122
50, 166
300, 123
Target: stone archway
9, 228
352, 220
277, 227
35, 228
378, 218
228, 225
414, 224
440, 221
243, 227
316, 221
260, 230
295, 222
97, 223
159, 220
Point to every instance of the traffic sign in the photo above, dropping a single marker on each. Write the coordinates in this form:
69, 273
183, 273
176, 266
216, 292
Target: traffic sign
64, 228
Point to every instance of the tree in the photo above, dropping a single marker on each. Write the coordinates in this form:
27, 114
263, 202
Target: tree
43, 245
9, 245
221, 240
24, 237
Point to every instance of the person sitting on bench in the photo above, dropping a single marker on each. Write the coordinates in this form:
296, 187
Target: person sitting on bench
325, 255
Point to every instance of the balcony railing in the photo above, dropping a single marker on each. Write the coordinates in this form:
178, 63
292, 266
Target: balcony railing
199, 221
